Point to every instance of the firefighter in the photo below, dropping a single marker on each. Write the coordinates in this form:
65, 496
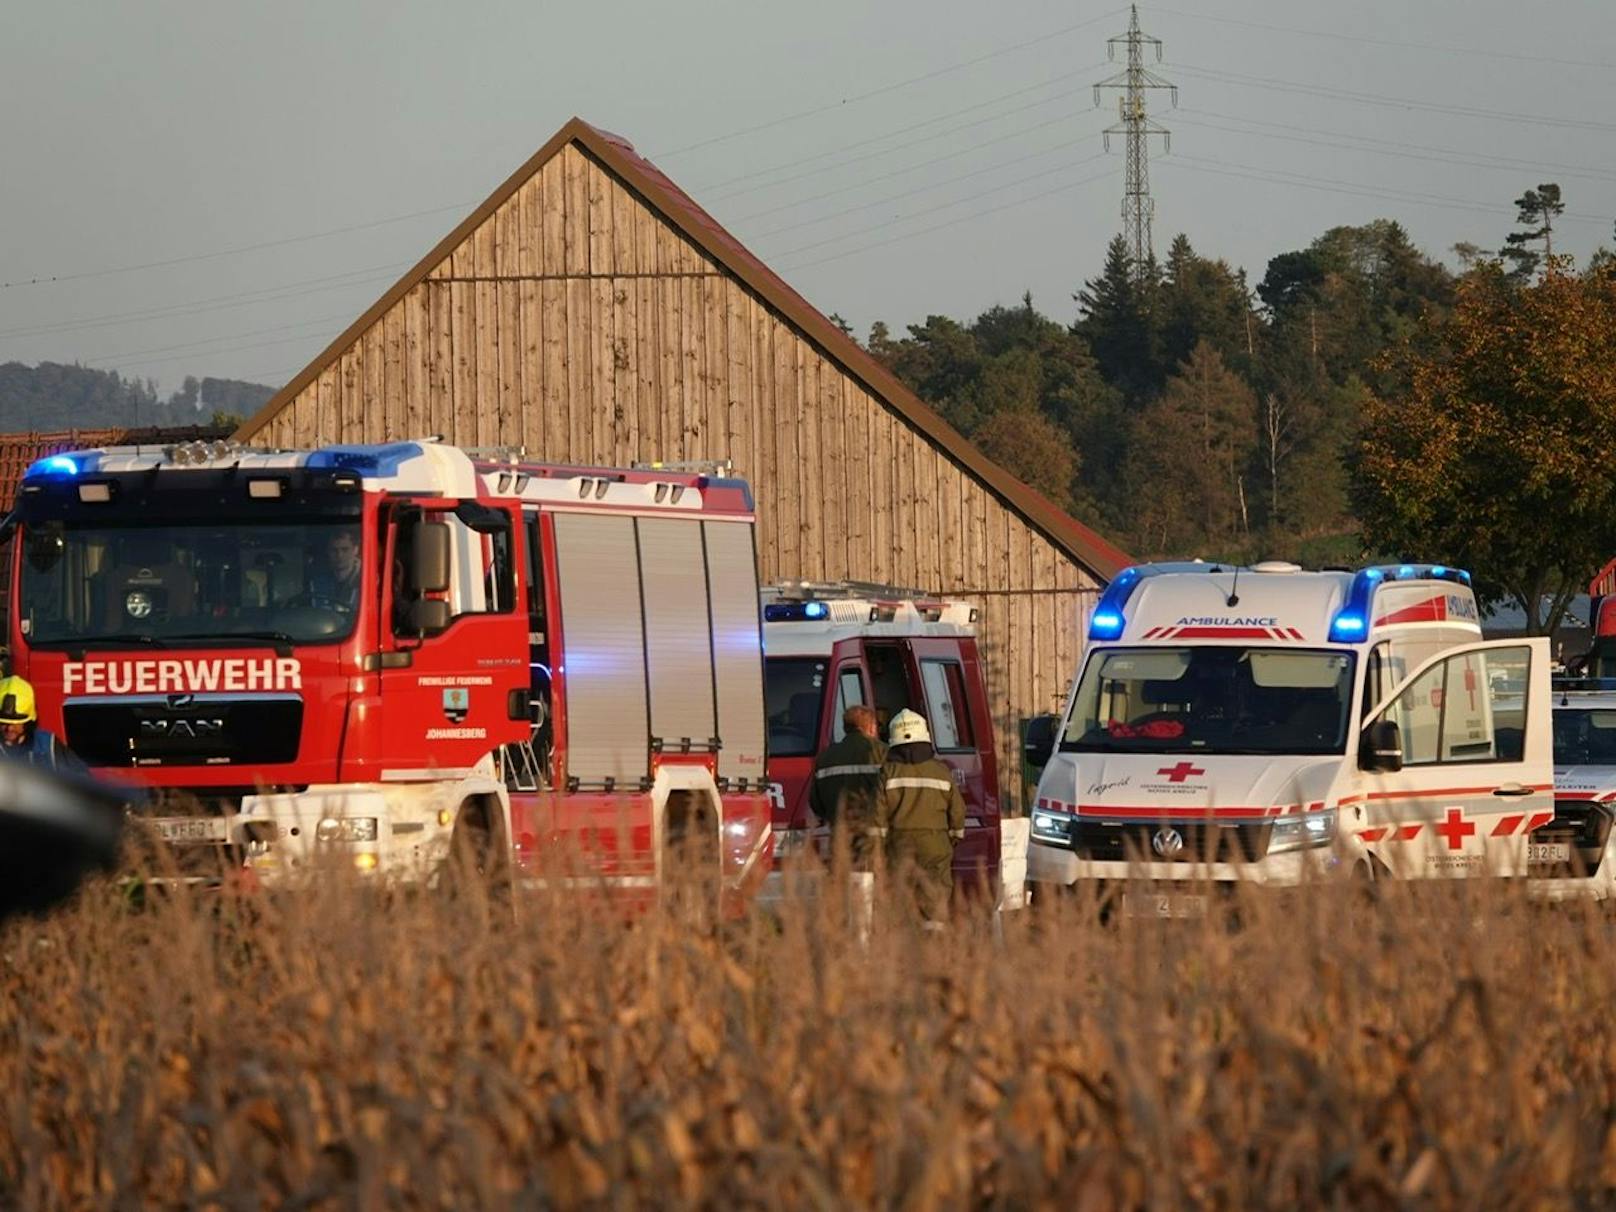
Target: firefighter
922, 816
21, 737
846, 789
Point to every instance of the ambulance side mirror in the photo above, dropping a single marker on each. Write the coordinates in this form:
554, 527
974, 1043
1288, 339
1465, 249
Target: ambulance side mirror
429, 558
1380, 747
1038, 743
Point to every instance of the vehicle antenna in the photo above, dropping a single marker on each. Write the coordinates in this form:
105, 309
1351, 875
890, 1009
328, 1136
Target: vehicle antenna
1234, 588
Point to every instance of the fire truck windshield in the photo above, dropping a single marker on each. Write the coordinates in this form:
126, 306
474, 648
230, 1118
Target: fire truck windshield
292, 580
1212, 700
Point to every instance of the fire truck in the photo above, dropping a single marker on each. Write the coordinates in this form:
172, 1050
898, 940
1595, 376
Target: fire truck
379, 656
829, 647
1273, 725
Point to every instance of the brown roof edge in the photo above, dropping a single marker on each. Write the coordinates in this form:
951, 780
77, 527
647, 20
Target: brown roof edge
1081, 543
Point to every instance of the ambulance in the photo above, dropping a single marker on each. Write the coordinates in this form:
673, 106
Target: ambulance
1570, 857
1273, 725
828, 647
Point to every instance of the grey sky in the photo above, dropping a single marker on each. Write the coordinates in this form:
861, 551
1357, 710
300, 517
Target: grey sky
151, 131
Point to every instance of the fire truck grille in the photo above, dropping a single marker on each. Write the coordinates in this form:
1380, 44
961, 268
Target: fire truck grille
1585, 827
184, 731
1199, 842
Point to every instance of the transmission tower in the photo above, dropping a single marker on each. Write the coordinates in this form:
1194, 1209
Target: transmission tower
1136, 124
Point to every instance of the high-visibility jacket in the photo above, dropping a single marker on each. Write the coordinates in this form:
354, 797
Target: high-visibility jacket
847, 780
921, 795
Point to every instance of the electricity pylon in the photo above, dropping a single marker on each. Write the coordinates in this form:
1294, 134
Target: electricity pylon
1136, 124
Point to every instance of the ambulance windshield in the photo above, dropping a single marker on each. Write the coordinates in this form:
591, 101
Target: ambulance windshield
1212, 700
294, 581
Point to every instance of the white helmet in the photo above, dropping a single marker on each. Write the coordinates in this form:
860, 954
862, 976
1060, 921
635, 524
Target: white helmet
907, 727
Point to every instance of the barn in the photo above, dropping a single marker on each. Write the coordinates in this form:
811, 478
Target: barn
589, 311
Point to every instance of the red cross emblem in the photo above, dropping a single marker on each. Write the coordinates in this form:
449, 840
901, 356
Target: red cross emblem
1455, 829
1180, 772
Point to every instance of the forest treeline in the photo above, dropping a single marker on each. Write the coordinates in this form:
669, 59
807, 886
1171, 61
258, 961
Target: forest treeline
1186, 411
54, 396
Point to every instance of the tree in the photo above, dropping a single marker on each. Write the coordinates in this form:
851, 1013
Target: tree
1115, 319
1032, 448
1537, 210
1203, 300
1497, 450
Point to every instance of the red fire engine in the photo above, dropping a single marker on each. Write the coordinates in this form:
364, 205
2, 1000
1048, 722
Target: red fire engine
375, 655
830, 647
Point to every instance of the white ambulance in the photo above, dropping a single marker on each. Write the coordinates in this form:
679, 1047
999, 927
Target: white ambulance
1570, 857
1273, 725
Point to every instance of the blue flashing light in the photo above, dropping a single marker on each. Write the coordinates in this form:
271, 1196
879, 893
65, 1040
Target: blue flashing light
794, 612
1439, 572
374, 461
1107, 621
52, 466
815, 610
1406, 572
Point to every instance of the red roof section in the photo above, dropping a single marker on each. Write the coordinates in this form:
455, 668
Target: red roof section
1084, 546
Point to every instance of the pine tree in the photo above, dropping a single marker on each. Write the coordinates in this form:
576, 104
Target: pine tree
1115, 311
1537, 210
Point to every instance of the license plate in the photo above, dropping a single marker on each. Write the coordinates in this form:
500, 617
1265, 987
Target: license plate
185, 830
1548, 852
1164, 904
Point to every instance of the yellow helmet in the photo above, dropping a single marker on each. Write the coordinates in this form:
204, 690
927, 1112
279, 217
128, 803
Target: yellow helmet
908, 727
17, 701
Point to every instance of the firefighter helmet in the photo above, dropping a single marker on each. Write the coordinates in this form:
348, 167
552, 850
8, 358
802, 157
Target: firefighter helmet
17, 701
908, 727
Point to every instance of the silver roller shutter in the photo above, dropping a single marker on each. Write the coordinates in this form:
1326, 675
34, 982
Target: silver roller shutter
603, 655
678, 636
737, 648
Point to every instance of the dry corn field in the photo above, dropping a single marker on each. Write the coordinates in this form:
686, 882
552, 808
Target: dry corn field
1446, 1048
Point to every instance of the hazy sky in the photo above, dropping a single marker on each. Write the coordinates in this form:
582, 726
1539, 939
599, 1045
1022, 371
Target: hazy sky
919, 157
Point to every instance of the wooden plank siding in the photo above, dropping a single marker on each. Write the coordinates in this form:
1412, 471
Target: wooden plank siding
577, 322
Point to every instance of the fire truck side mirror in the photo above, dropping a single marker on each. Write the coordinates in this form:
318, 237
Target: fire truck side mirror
1380, 748
429, 558
428, 617
1038, 745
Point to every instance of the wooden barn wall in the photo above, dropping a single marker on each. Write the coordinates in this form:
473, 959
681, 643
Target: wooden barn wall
576, 323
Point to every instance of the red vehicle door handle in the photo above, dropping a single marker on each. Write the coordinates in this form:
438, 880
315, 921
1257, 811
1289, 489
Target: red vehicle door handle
1512, 790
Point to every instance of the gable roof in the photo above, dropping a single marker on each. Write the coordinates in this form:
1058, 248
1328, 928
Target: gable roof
680, 211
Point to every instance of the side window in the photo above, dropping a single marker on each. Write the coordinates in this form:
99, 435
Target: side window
1468, 708
945, 699
849, 693
1375, 684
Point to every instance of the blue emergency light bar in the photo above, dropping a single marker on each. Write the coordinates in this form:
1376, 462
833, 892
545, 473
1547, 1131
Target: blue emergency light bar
1107, 621
55, 467
794, 612
1351, 622
374, 460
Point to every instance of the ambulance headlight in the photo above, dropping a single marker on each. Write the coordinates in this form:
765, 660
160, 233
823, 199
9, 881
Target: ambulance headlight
1051, 825
346, 829
1302, 832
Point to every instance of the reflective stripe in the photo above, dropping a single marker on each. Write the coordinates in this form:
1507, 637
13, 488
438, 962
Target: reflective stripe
832, 772
927, 784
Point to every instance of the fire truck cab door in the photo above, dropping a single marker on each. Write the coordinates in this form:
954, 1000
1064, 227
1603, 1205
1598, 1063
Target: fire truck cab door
960, 733
1477, 766
454, 689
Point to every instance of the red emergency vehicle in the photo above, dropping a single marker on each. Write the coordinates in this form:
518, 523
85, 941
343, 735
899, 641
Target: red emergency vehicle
833, 646
373, 655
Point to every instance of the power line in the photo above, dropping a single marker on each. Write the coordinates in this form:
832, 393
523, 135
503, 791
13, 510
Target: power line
884, 89
1332, 185
1425, 152
231, 252
1342, 94
1365, 39
273, 294
1059, 168
1064, 145
863, 248
205, 341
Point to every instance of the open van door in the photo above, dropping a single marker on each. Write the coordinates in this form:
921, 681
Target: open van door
1456, 767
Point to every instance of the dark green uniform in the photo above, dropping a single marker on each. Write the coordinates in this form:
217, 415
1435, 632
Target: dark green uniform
922, 812
846, 792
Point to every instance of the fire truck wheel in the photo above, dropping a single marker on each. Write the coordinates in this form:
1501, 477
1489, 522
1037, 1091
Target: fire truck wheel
479, 862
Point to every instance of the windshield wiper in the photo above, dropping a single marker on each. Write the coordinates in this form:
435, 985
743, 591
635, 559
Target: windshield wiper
123, 637
225, 638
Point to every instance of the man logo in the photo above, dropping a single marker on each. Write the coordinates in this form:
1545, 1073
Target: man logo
1167, 842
